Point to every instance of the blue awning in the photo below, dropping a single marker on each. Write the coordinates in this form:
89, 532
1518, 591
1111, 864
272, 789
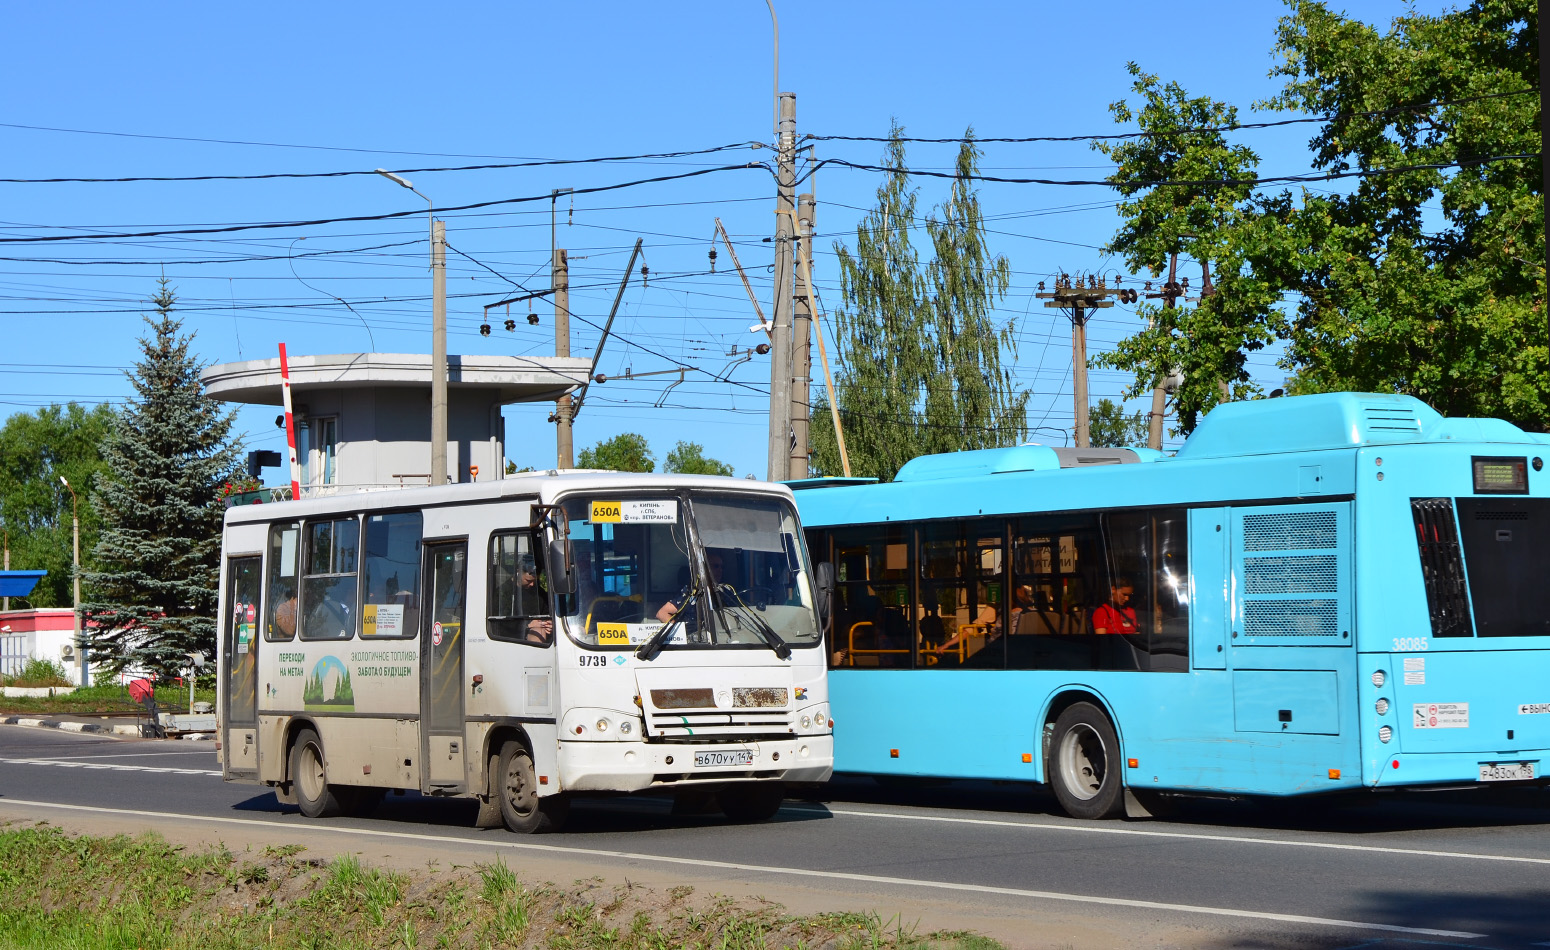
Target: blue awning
19, 583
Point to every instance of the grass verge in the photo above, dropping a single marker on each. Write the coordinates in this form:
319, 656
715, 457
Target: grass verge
103, 698
121, 893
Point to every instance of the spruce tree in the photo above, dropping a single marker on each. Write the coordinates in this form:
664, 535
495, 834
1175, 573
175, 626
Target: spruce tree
153, 595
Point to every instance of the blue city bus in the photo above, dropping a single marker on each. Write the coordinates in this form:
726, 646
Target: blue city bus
1315, 594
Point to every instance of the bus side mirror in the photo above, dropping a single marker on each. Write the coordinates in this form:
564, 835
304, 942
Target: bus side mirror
562, 574
825, 577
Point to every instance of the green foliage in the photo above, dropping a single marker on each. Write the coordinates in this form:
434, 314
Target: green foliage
1109, 426
1427, 281
37, 673
625, 452
170, 449
688, 458
35, 450
918, 355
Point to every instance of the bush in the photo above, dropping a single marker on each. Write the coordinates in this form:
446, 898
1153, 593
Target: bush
38, 673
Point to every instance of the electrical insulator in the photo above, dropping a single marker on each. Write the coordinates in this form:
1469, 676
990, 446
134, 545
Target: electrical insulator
484, 329
510, 324
532, 318
1041, 285
600, 379
1185, 284
762, 349
712, 260
645, 275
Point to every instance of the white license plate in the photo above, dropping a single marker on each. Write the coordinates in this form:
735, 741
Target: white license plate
1507, 772
725, 760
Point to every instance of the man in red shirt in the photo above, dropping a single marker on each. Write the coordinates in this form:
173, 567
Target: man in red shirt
1116, 616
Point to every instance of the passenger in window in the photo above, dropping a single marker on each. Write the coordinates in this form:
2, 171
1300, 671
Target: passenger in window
1022, 602
716, 561
537, 629
1116, 616
285, 611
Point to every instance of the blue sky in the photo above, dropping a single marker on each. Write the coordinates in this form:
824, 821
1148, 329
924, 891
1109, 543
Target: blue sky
409, 86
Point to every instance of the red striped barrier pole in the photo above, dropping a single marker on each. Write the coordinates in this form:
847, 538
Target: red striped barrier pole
290, 423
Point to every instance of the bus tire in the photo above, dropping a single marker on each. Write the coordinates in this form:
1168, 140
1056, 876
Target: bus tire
309, 777
522, 809
1084, 764
752, 801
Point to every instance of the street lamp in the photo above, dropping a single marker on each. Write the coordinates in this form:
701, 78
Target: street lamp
438, 334
75, 531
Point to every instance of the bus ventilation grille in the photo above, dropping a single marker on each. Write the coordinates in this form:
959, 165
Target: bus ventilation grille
1442, 565
1291, 618
1290, 531
1310, 574
1387, 419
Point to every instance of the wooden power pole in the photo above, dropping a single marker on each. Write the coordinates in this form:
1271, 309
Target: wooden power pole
802, 347
1079, 301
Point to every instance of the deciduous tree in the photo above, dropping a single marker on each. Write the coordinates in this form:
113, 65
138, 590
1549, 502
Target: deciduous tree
625, 452
688, 458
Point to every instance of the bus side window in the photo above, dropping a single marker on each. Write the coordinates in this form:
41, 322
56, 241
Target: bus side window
391, 604
280, 585
871, 626
517, 610
328, 587
1147, 553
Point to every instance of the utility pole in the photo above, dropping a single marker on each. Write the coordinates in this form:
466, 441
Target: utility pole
7, 565
439, 353
75, 535
1170, 293
1207, 290
1078, 302
802, 346
564, 450
780, 329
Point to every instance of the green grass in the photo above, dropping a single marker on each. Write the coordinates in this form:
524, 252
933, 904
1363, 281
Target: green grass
90, 893
104, 698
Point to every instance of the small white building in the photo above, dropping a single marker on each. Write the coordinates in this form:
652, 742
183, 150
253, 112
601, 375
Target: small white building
43, 633
364, 419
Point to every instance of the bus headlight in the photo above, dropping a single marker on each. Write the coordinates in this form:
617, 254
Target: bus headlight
1378, 678
1385, 733
807, 722
625, 727
818, 719
602, 725
1382, 706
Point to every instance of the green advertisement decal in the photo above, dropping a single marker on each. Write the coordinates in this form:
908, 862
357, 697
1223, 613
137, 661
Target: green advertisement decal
328, 688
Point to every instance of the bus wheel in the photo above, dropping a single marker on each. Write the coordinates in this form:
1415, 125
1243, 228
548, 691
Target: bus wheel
752, 801
1084, 764
522, 809
309, 779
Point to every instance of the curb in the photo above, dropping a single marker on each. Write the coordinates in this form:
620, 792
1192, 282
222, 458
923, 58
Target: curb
90, 727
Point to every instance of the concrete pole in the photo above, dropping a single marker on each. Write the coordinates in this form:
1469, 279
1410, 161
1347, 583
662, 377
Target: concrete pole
438, 353
1154, 428
802, 346
1079, 374
564, 449
7, 566
780, 329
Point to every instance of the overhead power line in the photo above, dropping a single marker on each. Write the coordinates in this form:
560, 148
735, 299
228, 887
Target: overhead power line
1193, 183
226, 229
1234, 127
536, 163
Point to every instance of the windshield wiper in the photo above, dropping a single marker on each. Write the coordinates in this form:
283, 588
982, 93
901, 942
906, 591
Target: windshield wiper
648, 651
760, 625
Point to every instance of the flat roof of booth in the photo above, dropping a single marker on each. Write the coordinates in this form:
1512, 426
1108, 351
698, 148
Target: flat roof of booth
508, 378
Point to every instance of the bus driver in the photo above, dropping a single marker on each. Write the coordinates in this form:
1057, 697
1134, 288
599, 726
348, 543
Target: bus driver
1116, 616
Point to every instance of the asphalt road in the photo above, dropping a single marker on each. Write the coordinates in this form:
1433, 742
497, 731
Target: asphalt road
1416, 870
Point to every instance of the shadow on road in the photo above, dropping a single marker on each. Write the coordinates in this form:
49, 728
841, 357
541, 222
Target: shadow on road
1358, 813
589, 815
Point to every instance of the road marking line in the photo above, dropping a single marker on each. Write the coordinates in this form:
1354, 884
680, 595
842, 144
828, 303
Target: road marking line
823, 875
1193, 836
113, 766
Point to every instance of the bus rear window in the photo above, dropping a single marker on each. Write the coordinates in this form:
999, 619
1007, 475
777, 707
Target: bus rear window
1507, 556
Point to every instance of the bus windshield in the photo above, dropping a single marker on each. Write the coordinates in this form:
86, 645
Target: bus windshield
636, 572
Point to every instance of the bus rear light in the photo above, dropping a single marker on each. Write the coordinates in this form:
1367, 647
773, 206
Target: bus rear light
580, 730
1378, 678
1384, 735
1396, 763
1133, 763
893, 753
1027, 756
543, 780
1334, 773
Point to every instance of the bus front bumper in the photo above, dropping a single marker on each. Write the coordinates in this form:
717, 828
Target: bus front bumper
632, 766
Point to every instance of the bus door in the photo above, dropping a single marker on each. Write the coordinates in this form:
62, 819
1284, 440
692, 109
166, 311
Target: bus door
240, 647
441, 652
